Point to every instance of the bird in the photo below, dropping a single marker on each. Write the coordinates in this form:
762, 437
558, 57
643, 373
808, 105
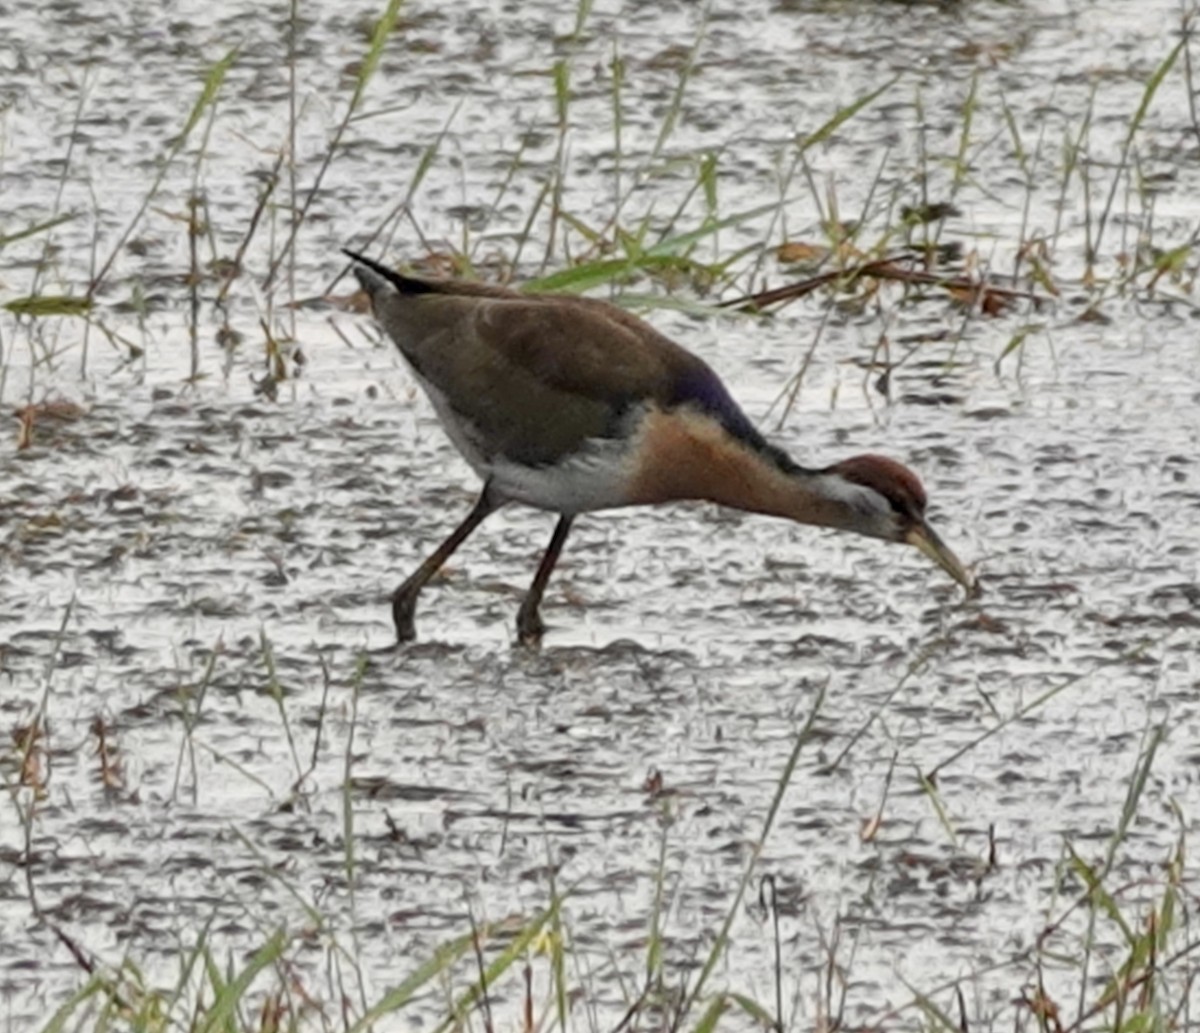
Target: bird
571, 404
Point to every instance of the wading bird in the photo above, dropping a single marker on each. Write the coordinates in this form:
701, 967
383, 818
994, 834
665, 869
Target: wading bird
571, 404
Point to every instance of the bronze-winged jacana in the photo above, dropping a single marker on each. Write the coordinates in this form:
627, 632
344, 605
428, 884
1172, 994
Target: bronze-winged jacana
571, 404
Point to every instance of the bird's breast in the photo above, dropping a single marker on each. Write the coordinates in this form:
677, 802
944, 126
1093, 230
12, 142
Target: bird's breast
683, 453
680, 454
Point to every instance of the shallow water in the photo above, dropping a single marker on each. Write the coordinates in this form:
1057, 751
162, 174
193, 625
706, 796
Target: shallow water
203, 567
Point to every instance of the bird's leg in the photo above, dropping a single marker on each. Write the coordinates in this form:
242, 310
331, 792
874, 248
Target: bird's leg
404, 599
529, 624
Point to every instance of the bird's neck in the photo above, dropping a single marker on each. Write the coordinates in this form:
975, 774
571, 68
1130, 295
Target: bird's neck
687, 455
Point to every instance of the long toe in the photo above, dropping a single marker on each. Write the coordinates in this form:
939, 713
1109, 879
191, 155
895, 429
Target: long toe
381, 651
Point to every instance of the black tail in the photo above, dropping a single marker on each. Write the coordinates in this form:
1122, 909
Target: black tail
404, 284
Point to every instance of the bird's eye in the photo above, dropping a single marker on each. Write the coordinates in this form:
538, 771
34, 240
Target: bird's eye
905, 507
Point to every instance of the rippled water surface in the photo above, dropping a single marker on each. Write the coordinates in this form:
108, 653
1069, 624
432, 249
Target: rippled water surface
196, 570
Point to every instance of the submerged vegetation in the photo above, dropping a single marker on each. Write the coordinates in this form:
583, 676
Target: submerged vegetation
986, 206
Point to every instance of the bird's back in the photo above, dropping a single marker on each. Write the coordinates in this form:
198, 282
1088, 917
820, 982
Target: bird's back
535, 376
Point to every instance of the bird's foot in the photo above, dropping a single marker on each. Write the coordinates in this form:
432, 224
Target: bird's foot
404, 611
530, 628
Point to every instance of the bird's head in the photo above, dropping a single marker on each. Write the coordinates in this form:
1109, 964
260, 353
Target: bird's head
885, 499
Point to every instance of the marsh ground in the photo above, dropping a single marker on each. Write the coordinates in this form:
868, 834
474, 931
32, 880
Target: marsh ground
218, 471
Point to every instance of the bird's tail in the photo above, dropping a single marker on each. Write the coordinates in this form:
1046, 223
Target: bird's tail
372, 275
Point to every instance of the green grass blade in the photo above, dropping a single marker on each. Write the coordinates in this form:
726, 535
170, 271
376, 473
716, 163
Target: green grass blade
1014, 342
231, 994
383, 29
676, 105
827, 129
707, 177
581, 277
97, 985
1152, 85
682, 241
756, 1011
208, 96
718, 948
937, 1018
370, 62
589, 275
1069, 682
654, 940
429, 155
1137, 785
440, 961
209, 92
561, 74
40, 227
1099, 896
929, 788
638, 300
961, 165
41, 306
581, 16
712, 1014
1151, 88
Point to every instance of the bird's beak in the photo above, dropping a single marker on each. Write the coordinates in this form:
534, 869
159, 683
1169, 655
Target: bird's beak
925, 538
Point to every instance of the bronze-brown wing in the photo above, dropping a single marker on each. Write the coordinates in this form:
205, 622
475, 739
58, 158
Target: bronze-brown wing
536, 375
